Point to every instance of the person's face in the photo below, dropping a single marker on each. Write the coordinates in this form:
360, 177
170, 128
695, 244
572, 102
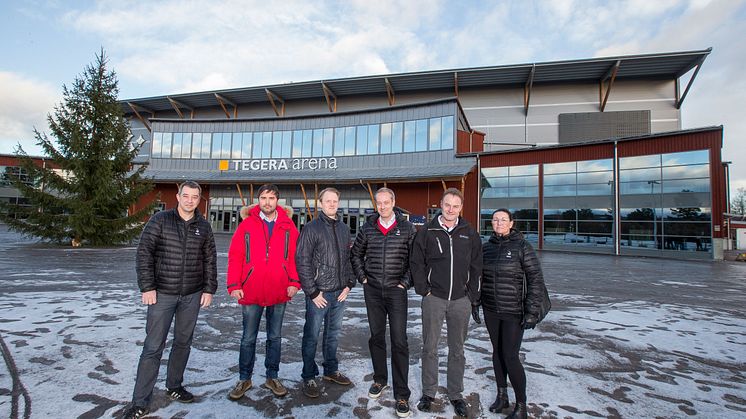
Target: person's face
501, 223
385, 205
188, 199
329, 204
268, 203
451, 206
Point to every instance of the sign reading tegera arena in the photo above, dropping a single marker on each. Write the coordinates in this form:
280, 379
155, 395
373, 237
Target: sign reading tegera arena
280, 164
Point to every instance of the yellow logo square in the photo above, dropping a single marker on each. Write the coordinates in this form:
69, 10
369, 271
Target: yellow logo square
223, 165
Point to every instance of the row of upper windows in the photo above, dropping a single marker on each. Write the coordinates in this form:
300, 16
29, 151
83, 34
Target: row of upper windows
396, 137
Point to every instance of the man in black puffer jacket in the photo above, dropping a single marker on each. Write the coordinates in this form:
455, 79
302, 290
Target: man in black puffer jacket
176, 274
322, 259
380, 259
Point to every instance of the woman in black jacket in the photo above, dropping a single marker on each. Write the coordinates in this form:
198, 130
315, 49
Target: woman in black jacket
508, 307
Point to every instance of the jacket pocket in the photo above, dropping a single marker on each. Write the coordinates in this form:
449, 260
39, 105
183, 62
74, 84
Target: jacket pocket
247, 245
243, 283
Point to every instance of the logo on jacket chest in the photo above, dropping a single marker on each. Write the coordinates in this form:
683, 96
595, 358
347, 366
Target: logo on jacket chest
508, 255
196, 232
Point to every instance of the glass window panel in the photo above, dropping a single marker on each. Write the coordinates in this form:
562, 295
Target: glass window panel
385, 138
237, 145
687, 214
318, 143
595, 227
633, 214
176, 148
639, 228
595, 165
225, 151
495, 193
362, 140
287, 138
494, 171
563, 179
524, 181
409, 136
559, 190
686, 186
397, 132
298, 143
266, 144
559, 226
595, 189
554, 168
497, 182
339, 141
276, 144
599, 214
196, 145
156, 143
186, 145
217, 144
640, 174
448, 133
246, 145
631, 188
328, 142
596, 177
421, 135
531, 169
687, 229
373, 139
435, 134
307, 142
640, 162
687, 172
166, 146
258, 145
690, 243
350, 141
687, 157
523, 191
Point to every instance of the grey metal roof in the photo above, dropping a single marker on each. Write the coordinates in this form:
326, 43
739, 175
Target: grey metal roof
338, 175
661, 65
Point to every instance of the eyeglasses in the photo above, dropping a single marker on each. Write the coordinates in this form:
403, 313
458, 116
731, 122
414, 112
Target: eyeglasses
500, 220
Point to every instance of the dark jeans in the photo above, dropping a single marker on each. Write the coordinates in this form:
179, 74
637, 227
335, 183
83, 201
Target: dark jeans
391, 303
252, 316
506, 337
185, 308
331, 318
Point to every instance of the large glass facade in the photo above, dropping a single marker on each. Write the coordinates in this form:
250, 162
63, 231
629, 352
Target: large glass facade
517, 189
578, 204
430, 134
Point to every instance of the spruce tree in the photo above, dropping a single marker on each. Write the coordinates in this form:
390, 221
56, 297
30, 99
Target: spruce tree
83, 195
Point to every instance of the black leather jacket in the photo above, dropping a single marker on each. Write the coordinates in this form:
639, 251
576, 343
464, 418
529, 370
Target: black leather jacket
383, 259
506, 260
176, 256
323, 256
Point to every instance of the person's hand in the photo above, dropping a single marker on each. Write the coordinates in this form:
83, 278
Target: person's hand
475, 314
529, 321
365, 280
237, 294
292, 291
149, 297
320, 301
343, 294
401, 286
206, 300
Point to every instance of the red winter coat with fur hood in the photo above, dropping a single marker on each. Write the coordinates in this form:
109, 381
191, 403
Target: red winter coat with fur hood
263, 266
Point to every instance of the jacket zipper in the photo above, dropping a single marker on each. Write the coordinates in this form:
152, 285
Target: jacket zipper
450, 241
247, 277
336, 252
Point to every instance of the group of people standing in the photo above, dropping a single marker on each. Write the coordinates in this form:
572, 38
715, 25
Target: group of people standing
269, 262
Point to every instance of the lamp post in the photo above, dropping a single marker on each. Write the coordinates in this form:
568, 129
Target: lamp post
652, 184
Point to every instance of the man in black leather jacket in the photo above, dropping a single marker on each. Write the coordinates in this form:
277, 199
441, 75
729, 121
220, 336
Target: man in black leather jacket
323, 263
176, 274
380, 259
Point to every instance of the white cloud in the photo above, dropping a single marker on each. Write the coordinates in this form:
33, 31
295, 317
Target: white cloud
24, 105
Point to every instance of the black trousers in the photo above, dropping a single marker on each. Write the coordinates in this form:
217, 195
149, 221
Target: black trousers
506, 337
391, 304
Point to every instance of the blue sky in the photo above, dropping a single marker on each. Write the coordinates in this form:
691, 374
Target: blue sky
164, 47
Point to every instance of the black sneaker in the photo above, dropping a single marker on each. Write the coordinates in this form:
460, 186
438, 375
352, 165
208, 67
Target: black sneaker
180, 394
459, 407
135, 412
425, 404
376, 389
402, 408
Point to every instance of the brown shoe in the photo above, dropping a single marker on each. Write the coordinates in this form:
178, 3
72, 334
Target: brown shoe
338, 378
276, 387
242, 386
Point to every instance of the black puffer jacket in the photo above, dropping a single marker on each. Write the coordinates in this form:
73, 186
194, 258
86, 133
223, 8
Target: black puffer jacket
176, 256
383, 259
323, 256
506, 260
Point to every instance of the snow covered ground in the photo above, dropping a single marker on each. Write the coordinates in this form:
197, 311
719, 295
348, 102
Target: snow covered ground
628, 337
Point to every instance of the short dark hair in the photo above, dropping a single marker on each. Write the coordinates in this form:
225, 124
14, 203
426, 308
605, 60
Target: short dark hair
268, 187
190, 184
454, 192
505, 210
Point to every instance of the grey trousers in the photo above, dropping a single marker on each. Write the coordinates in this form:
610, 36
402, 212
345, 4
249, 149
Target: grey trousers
185, 308
456, 314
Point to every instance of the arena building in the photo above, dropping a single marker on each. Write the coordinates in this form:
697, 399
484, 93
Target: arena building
589, 154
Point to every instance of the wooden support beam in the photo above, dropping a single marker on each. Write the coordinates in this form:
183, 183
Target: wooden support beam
611, 75
178, 106
272, 97
136, 108
389, 91
240, 195
455, 83
251, 197
372, 198
305, 198
222, 100
331, 98
444, 184
680, 100
527, 90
